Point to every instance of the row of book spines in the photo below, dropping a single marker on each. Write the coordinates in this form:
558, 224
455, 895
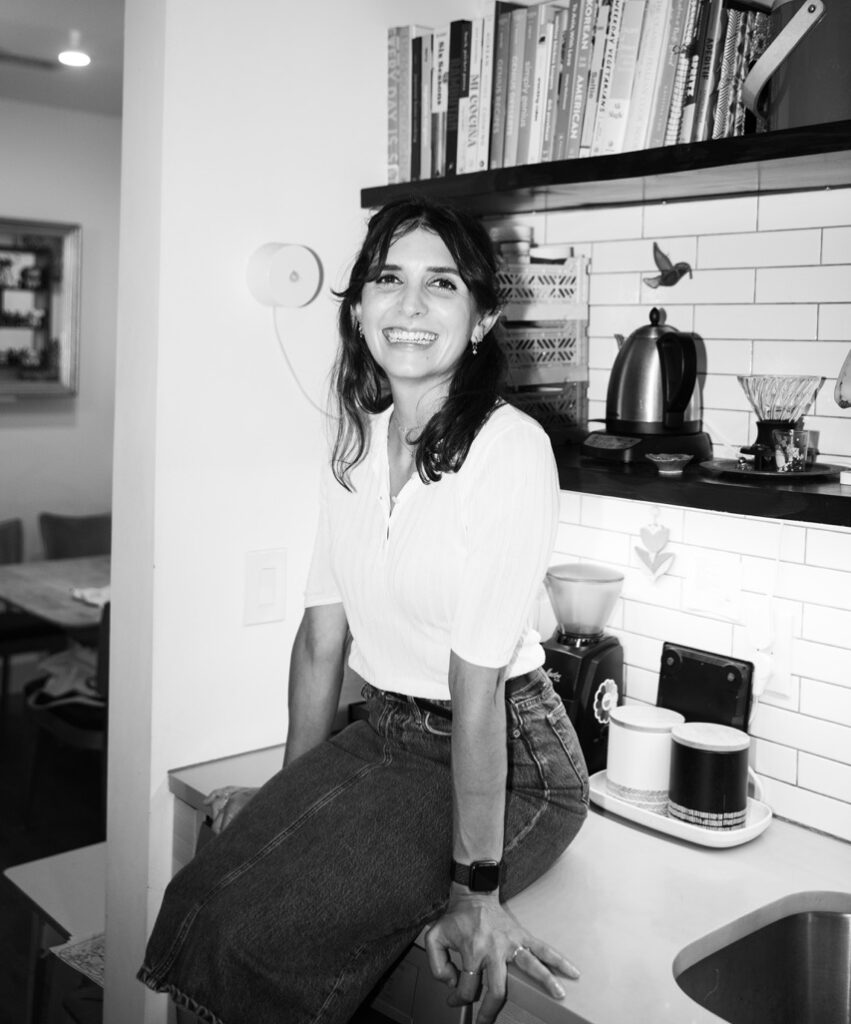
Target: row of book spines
576, 78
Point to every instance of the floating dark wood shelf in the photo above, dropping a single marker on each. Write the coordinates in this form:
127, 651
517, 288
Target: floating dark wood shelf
795, 159
827, 502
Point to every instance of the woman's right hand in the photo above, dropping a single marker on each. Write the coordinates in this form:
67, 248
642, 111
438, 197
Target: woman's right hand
225, 803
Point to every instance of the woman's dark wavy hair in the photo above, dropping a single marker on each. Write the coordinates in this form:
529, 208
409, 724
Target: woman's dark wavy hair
360, 385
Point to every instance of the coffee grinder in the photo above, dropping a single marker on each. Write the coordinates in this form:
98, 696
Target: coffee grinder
585, 664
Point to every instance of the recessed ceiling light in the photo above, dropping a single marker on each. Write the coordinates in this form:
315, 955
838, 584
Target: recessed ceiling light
74, 57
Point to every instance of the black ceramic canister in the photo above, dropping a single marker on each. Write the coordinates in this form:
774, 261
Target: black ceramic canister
708, 784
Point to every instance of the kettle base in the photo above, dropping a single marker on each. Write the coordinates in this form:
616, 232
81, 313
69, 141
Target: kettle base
600, 444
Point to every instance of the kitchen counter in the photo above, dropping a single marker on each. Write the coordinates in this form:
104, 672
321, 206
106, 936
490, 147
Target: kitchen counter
816, 501
623, 902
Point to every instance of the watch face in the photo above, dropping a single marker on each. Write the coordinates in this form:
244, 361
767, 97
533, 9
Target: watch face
484, 876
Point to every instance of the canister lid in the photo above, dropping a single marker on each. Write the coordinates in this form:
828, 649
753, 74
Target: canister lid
645, 717
585, 572
709, 736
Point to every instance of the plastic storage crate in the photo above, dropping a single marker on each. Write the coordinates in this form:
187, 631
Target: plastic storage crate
562, 410
545, 339
544, 291
548, 352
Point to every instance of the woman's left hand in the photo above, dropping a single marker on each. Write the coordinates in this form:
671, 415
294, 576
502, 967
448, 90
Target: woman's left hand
488, 938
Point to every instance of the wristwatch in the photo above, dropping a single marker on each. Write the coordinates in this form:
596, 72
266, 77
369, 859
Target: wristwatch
480, 876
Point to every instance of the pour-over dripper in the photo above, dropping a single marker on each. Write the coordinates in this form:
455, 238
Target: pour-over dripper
780, 403
583, 596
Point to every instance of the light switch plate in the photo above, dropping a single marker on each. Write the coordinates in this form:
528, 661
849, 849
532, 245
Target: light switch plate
265, 586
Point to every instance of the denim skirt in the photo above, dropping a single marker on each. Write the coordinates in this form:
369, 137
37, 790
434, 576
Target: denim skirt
295, 912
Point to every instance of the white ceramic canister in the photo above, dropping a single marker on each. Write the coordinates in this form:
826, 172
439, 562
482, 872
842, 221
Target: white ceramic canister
638, 762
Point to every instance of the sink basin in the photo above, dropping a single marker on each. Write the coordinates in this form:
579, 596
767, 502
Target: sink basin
787, 963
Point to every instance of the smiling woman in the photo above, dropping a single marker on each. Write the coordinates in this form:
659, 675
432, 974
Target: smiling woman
439, 508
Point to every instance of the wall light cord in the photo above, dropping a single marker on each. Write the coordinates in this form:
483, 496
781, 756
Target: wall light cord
283, 349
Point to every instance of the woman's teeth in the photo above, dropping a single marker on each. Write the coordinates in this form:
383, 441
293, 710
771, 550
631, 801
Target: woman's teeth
399, 337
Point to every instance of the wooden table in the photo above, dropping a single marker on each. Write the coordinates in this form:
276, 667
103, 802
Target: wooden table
45, 588
67, 894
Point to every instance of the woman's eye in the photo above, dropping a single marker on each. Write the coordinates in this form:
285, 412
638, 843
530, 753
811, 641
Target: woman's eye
445, 283
387, 277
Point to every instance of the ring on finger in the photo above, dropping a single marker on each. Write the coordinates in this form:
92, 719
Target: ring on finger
475, 974
515, 954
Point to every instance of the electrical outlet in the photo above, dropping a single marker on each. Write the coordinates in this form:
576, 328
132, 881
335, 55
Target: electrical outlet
265, 586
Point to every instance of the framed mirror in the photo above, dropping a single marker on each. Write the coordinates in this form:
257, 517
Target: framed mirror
39, 308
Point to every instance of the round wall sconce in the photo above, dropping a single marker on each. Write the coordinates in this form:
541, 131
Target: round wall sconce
284, 275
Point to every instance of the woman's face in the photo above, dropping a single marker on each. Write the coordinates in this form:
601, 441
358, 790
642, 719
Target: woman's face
418, 316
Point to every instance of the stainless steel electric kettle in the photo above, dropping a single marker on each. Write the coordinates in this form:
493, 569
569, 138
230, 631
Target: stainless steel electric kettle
653, 388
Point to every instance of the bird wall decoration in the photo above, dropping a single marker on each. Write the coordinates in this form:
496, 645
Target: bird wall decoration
669, 272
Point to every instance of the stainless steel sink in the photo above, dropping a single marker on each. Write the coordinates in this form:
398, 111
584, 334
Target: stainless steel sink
788, 963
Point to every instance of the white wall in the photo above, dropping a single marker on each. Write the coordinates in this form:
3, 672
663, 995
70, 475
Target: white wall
56, 453
241, 126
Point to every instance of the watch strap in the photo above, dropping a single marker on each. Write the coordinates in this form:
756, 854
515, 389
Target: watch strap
479, 876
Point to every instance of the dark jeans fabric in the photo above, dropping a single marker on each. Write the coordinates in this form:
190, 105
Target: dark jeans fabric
296, 910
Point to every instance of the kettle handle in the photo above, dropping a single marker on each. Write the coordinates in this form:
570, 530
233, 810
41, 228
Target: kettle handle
678, 360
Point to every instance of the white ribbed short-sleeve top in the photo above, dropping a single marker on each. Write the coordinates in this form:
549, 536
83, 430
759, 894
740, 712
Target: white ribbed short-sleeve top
454, 565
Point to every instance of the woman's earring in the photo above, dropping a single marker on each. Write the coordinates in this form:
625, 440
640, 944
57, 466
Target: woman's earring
360, 328
474, 341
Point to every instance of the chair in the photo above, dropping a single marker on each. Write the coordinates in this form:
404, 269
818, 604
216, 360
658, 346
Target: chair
20, 632
75, 536
80, 724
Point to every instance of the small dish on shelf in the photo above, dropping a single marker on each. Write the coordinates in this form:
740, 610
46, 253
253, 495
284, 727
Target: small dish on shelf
669, 464
757, 821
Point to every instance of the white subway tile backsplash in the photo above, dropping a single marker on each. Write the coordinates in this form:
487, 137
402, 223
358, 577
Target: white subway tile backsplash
619, 256
727, 356
593, 545
822, 208
771, 293
720, 286
827, 625
723, 391
679, 627
809, 809
830, 548
569, 537
811, 358
701, 217
750, 321
612, 289
639, 684
601, 352
581, 225
728, 431
801, 732
643, 652
765, 249
751, 536
803, 284
570, 507
825, 662
832, 440
836, 246
797, 582
825, 777
665, 591
776, 761
823, 700
834, 323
